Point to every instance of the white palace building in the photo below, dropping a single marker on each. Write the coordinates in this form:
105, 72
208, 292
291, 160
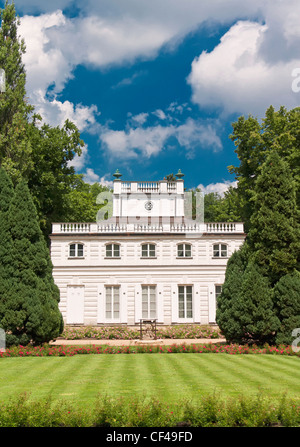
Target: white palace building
146, 261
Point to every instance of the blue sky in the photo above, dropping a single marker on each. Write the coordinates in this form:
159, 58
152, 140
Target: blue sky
154, 86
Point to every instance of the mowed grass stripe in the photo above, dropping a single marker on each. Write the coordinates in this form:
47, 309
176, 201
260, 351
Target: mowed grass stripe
261, 373
37, 376
290, 366
269, 373
279, 374
169, 377
90, 378
162, 378
195, 376
218, 374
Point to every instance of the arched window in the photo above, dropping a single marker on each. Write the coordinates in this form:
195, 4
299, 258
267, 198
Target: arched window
112, 251
148, 250
184, 251
76, 250
220, 251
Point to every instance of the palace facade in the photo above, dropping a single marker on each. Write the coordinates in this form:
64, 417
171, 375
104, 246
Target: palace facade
147, 261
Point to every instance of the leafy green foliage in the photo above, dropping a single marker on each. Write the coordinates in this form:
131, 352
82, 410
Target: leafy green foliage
81, 201
222, 209
228, 311
245, 312
279, 131
255, 307
15, 146
53, 178
209, 410
274, 236
29, 298
287, 304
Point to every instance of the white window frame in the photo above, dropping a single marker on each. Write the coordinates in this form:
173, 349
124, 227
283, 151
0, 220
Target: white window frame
76, 255
113, 245
184, 250
220, 250
185, 318
113, 318
217, 294
148, 309
147, 244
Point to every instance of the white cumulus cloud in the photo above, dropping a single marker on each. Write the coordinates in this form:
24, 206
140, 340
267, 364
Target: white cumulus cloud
150, 141
219, 188
238, 77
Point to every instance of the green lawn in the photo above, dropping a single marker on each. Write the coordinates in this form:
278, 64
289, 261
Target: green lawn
169, 377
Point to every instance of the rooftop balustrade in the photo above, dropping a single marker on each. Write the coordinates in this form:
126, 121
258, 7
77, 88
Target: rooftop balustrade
189, 228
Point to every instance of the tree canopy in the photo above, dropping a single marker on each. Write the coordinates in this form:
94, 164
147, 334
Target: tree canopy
28, 295
254, 141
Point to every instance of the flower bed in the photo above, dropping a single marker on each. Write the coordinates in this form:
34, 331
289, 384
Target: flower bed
64, 351
125, 333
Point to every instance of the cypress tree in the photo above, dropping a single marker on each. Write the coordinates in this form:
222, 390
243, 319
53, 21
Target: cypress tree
257, 319
29, 296
227, 314
287, 304
274, 237
6, 195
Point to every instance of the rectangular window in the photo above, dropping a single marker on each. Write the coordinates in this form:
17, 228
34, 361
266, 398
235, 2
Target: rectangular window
148, 251
185, 301
112, 302
218, 290
220, 250
184, 251
73, 250
148, 302
112, 251
76, 250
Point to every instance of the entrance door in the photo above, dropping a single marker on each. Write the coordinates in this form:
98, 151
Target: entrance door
75, 304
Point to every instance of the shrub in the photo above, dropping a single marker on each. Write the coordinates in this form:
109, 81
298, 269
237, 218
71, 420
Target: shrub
287, 304
207, 411
181, 331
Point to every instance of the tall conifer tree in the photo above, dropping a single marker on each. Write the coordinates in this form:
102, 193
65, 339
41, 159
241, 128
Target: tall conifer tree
287, 304
274, 237
29, 296
255, 311
228, 314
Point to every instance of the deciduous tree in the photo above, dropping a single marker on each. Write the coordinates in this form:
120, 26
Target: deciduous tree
15, 146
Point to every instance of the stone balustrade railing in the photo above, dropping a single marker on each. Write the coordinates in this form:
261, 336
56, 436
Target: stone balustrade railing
217, 227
